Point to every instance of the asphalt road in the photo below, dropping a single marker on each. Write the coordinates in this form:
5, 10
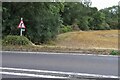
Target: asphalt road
90, 64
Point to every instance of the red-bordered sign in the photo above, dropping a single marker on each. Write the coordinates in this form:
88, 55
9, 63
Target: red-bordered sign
21, 25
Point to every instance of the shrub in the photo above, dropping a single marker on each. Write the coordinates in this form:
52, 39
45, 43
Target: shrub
103, 26
113, 52
16, 40
84, 27
65, 29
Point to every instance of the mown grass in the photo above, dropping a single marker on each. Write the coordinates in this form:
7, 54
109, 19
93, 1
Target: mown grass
107, 39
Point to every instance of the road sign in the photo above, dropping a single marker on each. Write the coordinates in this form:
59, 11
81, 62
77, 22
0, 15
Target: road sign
23, 29
21, 25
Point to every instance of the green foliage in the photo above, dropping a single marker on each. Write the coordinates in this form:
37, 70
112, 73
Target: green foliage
73, 12
65, 29
111, 16
84, 24
99, 19
41, 19
105, 26
118, 26
16, 40
113, 52
85, 17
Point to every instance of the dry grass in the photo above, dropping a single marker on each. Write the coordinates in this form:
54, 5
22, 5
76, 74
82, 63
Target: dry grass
88, 42
107, 39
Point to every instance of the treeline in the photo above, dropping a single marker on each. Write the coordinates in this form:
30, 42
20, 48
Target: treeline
87, 18
44, 20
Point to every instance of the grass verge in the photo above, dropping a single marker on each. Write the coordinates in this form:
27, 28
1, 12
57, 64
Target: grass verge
57, 49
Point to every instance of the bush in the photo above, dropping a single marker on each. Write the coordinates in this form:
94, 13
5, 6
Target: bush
113, 52
65, 29
84, 27
16, 40
103, 26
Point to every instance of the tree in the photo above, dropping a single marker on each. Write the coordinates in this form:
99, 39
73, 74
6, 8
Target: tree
118, 16
99, 19
84, 24
42, 20
111, 17
73, 13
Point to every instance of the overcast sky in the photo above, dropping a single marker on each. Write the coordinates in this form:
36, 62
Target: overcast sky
100, 4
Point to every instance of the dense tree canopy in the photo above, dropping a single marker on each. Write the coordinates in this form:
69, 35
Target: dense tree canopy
111, 16
42, 19
45, 19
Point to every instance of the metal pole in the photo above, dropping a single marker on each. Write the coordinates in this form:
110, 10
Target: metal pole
21, 28
20, 31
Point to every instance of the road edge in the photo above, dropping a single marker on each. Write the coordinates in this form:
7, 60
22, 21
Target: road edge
65, 53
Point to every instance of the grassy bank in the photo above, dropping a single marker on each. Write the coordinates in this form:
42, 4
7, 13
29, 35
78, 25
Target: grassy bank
88, 42
107, 39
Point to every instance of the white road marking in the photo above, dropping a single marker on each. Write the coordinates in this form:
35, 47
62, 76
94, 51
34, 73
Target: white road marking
65, 53
32, 75
59, 72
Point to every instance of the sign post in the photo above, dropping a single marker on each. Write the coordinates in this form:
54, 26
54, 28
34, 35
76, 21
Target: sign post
21, 26
20, 31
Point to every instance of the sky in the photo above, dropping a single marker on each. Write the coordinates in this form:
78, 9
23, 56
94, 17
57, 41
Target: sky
100, 4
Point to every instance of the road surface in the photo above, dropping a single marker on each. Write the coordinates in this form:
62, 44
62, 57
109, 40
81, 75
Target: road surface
86, 64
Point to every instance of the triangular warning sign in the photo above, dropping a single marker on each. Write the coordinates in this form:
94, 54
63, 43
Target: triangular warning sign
21, 25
